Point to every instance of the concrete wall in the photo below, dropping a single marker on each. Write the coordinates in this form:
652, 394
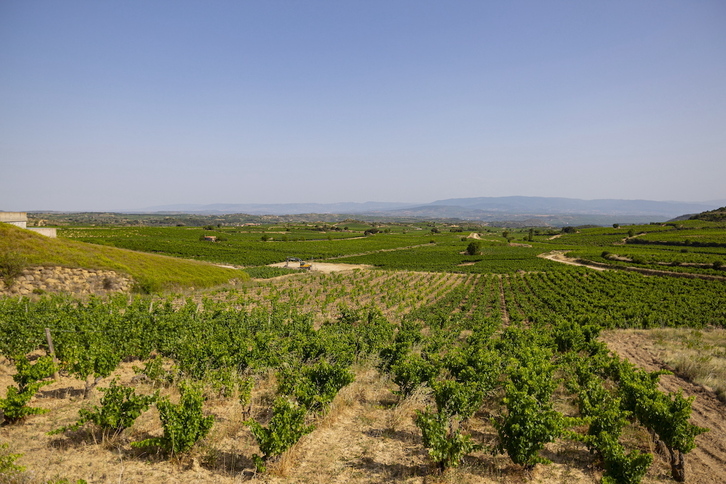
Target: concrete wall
19, 219
22, 225
47, 231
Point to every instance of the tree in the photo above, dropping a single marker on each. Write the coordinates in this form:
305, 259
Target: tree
473, 248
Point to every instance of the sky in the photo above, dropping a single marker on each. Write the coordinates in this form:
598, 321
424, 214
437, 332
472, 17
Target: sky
124, 105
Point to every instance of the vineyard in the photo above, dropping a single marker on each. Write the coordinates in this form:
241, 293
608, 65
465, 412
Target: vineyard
436, 366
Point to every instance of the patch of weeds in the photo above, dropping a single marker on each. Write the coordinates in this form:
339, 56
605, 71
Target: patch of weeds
12, 266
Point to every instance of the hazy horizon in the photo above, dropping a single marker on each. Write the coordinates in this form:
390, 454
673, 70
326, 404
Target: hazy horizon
109, 106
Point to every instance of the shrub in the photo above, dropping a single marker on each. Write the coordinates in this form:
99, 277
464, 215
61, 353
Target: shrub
29, 380
314, 387
184, 424
457, 398
120, 407
91, 361
447, 447
528, 425
154, 372
286, 427
145, 285
12, 265
8, 467
621, 468
413, 371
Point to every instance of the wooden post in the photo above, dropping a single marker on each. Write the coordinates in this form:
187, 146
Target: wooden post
52, 351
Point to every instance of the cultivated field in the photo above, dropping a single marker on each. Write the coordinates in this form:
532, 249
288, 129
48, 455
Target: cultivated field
434, 362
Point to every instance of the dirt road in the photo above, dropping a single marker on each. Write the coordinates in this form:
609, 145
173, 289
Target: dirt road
327, 266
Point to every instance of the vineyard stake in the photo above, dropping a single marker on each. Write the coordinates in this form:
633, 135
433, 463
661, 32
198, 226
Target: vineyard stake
52, 352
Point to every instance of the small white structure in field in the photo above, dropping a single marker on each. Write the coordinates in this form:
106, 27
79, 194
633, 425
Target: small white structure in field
20, 219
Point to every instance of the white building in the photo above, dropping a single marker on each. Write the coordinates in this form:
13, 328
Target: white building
20, 219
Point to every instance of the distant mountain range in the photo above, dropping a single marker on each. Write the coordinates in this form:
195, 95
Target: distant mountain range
515, 210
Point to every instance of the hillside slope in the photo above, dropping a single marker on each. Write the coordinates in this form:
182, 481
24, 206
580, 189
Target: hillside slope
154, 272
717, 215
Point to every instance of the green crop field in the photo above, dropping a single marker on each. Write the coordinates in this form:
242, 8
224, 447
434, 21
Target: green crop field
442, 347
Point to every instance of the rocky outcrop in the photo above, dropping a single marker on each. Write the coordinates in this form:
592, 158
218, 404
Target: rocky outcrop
40, 280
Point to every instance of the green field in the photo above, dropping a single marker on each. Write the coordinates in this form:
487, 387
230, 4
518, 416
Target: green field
692, 246
455, 338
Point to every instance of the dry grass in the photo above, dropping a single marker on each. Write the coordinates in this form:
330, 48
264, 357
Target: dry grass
366, 436
697, 355
405, 409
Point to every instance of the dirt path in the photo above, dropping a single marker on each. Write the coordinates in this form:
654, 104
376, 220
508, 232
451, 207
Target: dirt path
706, 464
328, 267
559, 256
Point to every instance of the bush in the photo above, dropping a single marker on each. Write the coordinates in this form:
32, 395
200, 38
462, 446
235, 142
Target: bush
155, 373
622, 468
144, 285
446, 447
314, 387
29, 380
120, 407
411, 372
7, 463
184, 423
462, 399
527, 427
12, 266
285, 429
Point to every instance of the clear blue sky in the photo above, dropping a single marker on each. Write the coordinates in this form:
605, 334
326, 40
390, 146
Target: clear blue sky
112, 105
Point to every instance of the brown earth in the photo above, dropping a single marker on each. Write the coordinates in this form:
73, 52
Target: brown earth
325, 266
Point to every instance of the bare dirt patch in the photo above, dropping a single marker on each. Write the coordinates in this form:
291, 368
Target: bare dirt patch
327, 267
